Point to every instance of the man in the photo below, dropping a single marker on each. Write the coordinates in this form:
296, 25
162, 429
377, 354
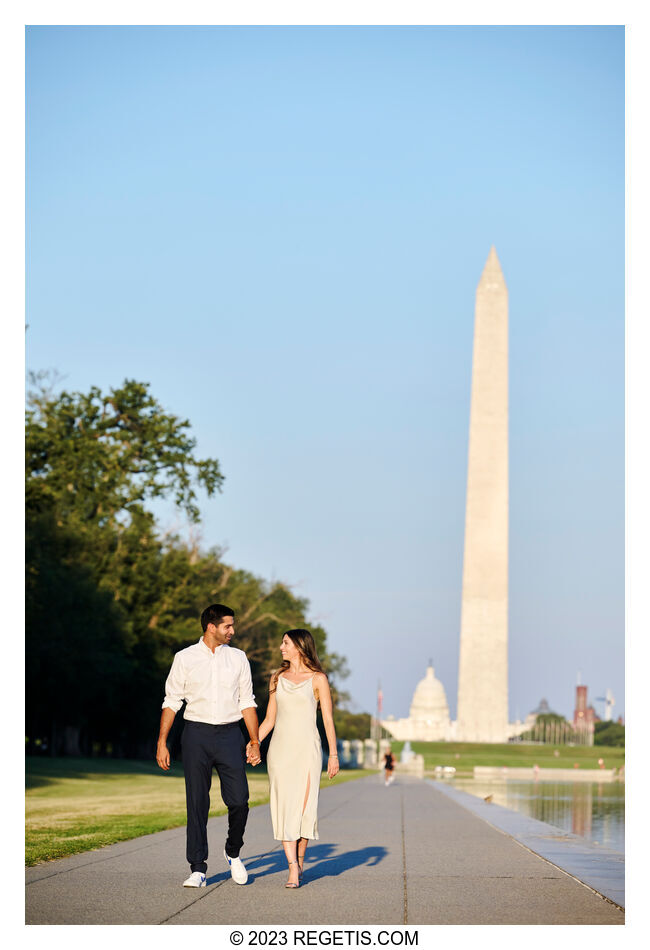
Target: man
215, 681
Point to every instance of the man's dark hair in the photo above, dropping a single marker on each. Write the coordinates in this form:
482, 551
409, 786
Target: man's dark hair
215, 614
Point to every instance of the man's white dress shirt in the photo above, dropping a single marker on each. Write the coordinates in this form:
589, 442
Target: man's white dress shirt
216, 686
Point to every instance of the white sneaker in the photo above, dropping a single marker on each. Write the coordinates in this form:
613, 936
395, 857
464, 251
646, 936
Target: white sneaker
238, 872
196, 879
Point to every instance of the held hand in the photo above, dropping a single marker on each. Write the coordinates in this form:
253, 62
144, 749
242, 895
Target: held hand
253, 754
332, 766
162, 757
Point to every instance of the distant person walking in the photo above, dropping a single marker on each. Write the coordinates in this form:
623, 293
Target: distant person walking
294, 758
215, 680
389, 767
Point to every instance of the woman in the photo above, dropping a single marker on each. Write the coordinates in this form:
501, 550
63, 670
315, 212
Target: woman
294, 758
389, 766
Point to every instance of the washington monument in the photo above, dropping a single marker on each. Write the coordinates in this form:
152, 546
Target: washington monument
483, 669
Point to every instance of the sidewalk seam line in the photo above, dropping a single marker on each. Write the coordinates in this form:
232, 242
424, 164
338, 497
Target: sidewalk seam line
404, 859
225, 881
203, 896
127, 841
563, 870
538, 855
100, 859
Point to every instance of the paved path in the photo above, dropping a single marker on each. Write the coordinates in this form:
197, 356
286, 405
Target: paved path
407, 854
600, 868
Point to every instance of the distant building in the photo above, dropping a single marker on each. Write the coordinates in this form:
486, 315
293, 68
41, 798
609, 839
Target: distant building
428, 719
518, 728
584, 717
542, 710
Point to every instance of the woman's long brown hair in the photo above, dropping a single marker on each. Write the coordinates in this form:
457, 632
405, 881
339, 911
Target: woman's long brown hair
304, 643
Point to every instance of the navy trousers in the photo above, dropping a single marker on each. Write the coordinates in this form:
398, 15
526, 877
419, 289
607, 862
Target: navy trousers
206, 747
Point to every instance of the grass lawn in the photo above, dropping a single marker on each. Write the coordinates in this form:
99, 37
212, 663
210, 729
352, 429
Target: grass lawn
465, 755
76, 805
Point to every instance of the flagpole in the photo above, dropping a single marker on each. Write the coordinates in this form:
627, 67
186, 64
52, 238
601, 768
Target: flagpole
380, 701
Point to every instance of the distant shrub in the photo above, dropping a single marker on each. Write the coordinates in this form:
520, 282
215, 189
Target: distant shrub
351, 725
609, 733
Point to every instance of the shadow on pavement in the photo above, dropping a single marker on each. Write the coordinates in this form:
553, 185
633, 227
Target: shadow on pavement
259, 865
321, 861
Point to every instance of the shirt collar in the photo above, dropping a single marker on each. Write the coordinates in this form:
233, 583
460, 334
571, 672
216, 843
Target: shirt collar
205, 647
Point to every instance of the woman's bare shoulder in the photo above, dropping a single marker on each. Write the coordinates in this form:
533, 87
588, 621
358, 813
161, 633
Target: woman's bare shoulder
320, 679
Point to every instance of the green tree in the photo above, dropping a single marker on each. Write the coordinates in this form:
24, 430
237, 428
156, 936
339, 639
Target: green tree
96, 459
93, 461
609, 734
108, 600
188, 578
351, 725
76, 657
549, 727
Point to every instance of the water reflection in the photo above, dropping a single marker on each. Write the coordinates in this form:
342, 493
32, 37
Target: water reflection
593, 810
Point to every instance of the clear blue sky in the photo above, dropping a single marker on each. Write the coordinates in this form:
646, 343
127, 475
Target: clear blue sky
282, 229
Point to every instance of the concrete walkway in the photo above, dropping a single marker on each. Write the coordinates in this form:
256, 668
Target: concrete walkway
407, 854
597, 867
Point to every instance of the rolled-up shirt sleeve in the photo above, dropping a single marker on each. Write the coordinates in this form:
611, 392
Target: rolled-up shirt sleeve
246, 697
175, 686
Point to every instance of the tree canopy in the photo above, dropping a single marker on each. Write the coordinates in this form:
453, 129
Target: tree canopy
97, 458
109, 600
609, 733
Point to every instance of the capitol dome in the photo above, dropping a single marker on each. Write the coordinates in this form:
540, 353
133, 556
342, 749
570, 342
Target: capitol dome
428, 719
429, 705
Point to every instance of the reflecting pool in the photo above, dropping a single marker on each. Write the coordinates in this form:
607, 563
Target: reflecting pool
593, 810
